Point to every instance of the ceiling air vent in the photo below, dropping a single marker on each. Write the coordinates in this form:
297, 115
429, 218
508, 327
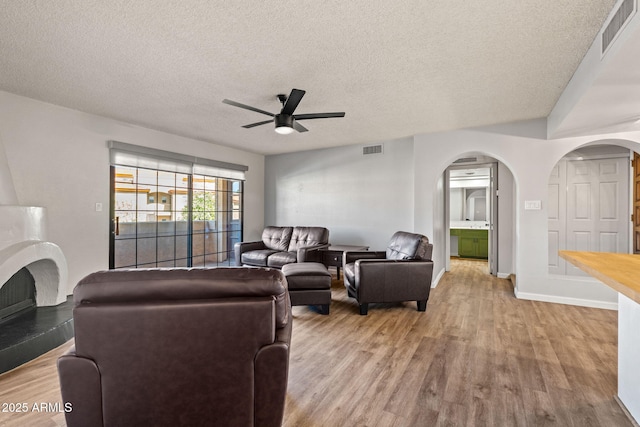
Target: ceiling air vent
372, 149
466, 160
618, 21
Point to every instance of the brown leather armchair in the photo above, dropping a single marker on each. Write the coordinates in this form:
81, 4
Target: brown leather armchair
178, 347
401, 273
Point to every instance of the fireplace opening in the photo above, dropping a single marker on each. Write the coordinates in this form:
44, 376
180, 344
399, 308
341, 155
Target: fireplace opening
28, 330
18, 295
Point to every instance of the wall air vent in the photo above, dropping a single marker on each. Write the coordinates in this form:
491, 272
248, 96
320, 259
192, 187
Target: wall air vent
372, 149
618, 21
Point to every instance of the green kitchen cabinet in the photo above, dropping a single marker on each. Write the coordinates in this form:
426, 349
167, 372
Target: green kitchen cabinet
483, 246
472, 243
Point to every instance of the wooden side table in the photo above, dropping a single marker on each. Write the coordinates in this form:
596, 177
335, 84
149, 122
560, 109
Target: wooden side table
332, 256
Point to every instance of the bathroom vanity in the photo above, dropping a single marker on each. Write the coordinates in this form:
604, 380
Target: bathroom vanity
470, 242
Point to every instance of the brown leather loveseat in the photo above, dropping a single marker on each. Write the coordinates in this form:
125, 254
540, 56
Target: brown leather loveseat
180, 347
282, 245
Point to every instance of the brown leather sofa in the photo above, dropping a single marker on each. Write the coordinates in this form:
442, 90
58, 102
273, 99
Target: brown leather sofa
282, 245
181, 347
401, 273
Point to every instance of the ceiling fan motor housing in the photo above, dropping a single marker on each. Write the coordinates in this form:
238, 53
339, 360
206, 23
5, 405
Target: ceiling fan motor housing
284, 120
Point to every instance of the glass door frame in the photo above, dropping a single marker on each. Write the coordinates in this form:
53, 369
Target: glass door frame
230, 230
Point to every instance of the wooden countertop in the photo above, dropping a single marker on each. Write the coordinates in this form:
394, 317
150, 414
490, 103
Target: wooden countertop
619, 271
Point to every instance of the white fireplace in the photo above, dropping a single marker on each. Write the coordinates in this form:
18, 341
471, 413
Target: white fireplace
23, 244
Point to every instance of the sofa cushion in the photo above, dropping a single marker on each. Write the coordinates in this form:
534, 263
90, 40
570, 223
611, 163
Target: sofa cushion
257, 258
308, 236
278, 259
307, 275
277, 238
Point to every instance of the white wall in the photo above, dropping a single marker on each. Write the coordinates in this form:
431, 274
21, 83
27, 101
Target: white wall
440, 232
361, 199
522, 147
506, 221
59, 159
456, 204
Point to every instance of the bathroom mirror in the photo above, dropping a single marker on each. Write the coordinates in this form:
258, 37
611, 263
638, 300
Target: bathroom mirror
469, 195
475, 204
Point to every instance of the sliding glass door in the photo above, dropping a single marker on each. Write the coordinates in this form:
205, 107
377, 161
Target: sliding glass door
172, 219
216, 219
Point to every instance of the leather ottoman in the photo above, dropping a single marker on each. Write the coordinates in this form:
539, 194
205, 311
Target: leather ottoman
309, 284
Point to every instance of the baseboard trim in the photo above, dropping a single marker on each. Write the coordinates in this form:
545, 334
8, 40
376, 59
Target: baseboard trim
626, 411
435, 282
566, 300
504, 275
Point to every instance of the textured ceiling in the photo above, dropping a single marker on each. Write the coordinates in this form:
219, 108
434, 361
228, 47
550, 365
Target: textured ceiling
395, 68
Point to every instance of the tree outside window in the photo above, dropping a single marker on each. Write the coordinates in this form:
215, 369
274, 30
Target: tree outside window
204, 207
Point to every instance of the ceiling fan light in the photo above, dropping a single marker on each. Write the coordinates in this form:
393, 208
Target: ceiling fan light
284, 130
284, 124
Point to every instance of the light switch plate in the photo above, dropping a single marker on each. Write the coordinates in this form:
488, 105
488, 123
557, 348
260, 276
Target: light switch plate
532, 205
98, 207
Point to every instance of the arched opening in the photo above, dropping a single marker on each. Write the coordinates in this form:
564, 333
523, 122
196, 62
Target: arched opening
479, 220
589, 202
45, 263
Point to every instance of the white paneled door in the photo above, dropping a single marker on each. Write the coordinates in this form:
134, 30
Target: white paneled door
591, 212
557, 211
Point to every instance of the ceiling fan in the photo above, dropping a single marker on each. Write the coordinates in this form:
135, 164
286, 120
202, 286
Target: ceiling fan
285, 121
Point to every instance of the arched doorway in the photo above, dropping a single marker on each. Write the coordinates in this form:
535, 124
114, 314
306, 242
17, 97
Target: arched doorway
479, 201
589, 203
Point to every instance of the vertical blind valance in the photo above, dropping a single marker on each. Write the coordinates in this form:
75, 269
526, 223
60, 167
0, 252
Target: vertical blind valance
123, 154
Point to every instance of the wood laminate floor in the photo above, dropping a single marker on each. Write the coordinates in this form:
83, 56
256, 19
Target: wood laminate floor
477, 357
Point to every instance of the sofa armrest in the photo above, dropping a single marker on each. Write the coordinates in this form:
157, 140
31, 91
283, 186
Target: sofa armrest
352, 256
309, 253
80, 385
271, 376
242, 247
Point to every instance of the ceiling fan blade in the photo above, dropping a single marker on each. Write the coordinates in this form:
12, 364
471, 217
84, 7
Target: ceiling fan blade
252, 125
292, 101
247, 107
297, 126
317, 116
